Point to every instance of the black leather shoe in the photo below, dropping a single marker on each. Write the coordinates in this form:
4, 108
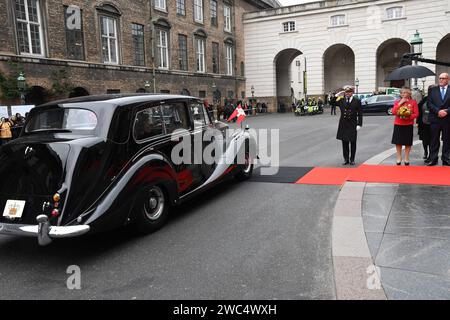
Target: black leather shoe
346, 163
432, 163
353, 163
446, 164
427, 161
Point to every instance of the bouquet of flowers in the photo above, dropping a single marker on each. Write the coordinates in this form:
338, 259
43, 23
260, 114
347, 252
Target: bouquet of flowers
404, 112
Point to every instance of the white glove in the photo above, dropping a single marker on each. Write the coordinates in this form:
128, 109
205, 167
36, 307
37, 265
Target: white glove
358, 128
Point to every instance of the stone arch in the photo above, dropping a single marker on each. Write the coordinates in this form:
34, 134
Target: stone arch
443, 54
283, 76
78, 92
338, 67
36, 95
389, 55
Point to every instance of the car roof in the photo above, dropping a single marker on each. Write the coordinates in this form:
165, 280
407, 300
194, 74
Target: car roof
117, 99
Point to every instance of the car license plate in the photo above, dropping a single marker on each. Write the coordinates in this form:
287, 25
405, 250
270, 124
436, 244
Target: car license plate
14, 209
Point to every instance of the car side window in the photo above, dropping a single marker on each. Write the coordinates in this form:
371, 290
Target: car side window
148, 123
199, 114
175, 117
383, 99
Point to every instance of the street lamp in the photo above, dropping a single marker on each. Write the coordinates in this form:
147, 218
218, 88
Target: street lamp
416, 48
22, 84
357, 85
253, 92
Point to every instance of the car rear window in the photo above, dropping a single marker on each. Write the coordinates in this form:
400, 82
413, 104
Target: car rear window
148, 123
65, 119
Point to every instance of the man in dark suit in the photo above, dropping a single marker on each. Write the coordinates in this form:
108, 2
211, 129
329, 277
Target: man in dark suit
349, 124
439, 105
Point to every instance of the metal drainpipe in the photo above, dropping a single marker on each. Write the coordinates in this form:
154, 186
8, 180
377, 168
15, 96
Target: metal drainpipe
152, 45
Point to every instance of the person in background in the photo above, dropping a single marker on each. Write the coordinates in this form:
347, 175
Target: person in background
350, 123
439, 106
405, 111
5, 130
424, 127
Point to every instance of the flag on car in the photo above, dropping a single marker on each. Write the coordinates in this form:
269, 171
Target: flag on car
238, 113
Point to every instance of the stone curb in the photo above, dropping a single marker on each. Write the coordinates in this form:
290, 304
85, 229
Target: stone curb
355, 274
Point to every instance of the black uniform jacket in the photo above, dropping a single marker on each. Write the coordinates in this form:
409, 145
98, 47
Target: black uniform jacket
351, 117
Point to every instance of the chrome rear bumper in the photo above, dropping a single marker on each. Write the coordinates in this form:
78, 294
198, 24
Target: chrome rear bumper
43, 231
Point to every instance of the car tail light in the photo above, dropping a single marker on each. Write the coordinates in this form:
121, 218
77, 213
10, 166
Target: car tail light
55, 213
56, 197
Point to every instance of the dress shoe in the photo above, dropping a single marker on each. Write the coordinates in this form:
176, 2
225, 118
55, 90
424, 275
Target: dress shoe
353, 163
432, 163
427, 161
399, 163
446, 163
346, 163
407, 164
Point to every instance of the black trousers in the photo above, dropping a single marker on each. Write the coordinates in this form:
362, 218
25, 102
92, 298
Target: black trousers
349, 155
333, 110
436, 130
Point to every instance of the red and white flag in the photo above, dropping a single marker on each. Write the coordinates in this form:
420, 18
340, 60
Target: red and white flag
238, 113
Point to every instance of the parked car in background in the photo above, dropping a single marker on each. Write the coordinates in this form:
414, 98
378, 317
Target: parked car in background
96, 163
379, 103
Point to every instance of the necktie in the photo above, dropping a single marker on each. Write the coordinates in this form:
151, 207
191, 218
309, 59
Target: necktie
443, 93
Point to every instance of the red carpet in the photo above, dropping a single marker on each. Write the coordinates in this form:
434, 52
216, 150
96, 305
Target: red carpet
439, 176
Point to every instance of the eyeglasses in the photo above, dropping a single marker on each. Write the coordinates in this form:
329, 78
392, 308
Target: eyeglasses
443, 78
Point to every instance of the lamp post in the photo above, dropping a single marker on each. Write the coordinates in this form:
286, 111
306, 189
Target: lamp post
22, 84
357, 85
215, 112
416, 48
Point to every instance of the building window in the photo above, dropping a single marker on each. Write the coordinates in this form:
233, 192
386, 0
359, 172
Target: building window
337, 21
160, 4
213, 6
200, 53
162, 49
227, 18
198, 11
394, 13
29, 27
215, 57
74, 32
182, 52
181, 7
110, 49
202, 94
164, 91
138, 44
289, 26
229, 59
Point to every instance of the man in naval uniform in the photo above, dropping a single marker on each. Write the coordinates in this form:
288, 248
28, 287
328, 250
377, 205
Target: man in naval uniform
350, 123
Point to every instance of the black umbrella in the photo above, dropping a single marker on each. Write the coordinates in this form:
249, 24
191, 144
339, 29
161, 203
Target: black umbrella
409, 72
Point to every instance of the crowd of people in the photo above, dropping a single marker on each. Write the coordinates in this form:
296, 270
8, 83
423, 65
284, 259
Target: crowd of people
248, 108
431, 113
9, 127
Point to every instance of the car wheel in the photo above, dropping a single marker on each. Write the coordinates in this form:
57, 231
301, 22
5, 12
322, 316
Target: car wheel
389, 111
247, 169
151, 208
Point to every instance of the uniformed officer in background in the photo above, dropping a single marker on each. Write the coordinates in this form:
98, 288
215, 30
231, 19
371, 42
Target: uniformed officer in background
350, 123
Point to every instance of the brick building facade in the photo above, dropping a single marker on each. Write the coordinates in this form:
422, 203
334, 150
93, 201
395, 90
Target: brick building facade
193, 47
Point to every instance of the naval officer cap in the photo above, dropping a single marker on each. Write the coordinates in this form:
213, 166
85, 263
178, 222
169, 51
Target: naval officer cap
349, 89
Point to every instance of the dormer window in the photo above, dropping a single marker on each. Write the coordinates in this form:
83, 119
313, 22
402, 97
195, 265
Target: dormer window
338, 20
394, 13
289, 26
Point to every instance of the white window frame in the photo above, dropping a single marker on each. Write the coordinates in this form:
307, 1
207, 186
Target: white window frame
163, 48
338, 20
289, 26
229, 59
161, 5
28, 23
198, 11
227, 18
392, 13
200, 46
108, 38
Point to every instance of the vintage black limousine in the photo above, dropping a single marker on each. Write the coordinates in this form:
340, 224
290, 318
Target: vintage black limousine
96, 163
